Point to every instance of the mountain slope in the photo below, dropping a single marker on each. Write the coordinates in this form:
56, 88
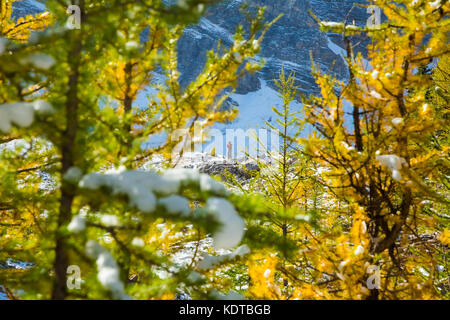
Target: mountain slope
27, 7
288, 43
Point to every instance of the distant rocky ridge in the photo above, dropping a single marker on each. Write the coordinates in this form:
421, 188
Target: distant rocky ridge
288, 43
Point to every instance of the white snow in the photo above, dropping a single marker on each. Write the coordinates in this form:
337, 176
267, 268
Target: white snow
393, 162
237, 57
364, 227
435, 5
346, 146
110, 220
331, 24
359, 250
175, 204
396, 175
208, 184
255, 45
375, 74
138, 185
42, 107
131, 45
210, 261
142, 186
215, 29
77, 224
173, 177
424, 272
302, 217
287, 65
352, 27
138, 242
73, 175
39, 60
231, 231
397, 121
21, 113
193, 33
375, 94
108, 270
254, 107
342, 264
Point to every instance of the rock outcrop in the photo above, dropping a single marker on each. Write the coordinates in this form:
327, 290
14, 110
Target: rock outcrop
223, 169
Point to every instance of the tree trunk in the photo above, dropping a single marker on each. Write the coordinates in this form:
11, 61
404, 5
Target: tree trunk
67, 154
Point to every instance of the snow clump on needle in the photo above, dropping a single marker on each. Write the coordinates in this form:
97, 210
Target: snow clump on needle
231, 231
108, 270
21, 113
210, 261
148, 190
394, 163
77, 224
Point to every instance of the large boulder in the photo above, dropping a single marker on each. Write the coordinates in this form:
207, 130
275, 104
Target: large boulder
242, 172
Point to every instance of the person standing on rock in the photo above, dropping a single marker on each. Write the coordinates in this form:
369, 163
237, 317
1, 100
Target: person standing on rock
230, 150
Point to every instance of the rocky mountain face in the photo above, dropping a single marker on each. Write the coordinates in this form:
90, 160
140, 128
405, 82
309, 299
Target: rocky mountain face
27, 7
288, 43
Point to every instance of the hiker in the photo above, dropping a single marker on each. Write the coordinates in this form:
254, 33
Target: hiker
230, 150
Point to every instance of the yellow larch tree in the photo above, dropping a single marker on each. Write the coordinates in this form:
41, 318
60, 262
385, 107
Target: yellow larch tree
371, 137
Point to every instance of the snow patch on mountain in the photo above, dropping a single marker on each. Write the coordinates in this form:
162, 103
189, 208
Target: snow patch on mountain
337, 49
287, 65
254, 108
211, 27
